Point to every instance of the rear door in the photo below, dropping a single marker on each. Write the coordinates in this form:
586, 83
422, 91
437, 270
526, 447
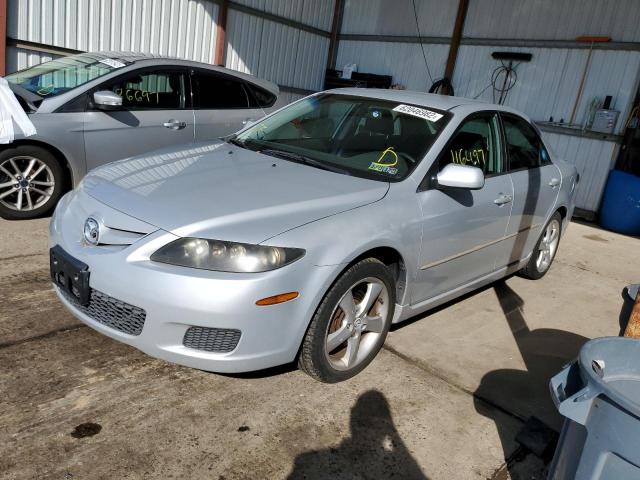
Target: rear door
156, 113
464, 230
222, 104
536, 183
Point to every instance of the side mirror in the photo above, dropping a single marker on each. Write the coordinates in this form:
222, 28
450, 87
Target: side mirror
107, 100
461, 176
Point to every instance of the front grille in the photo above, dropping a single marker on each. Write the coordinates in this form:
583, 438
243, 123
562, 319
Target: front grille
111, 312
219, 340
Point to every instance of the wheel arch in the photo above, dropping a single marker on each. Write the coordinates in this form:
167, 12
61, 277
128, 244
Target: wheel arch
392, 258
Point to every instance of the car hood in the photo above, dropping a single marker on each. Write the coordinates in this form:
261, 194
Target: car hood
221, 191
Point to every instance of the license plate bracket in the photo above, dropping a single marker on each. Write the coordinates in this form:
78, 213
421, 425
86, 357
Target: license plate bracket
70, 275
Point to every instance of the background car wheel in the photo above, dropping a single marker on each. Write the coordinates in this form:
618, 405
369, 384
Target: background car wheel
545, 250
31, 182
351, 323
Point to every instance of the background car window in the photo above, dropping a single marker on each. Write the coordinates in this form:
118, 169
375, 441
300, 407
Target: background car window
213, 91
150, 90
524, 146
258, 97
475, 144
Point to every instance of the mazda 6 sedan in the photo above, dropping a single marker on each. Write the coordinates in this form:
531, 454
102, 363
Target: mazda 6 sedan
306, 235
92, 108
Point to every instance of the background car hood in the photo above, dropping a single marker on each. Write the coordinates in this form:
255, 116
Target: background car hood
226, 192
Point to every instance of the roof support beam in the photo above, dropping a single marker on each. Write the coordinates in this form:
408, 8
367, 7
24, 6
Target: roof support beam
3, 37
221, 30
334, 35
455, 38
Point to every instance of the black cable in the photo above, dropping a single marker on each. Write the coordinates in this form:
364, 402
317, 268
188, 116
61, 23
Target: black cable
509, 81
424, 55
437, 85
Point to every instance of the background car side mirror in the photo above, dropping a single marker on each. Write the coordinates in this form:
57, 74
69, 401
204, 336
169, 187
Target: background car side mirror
107, 100
461, 176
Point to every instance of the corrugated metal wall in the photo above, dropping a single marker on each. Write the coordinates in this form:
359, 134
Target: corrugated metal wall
553, 19
182, 28
546, 87
280, 53
269, 49
592, 158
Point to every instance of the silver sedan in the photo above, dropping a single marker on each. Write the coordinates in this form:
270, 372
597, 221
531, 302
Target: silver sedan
306, 235
92, 108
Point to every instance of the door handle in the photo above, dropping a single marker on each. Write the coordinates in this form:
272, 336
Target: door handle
554, 182
174, 124
503, 199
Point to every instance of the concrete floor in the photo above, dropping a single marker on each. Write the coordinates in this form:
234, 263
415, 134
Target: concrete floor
444, 399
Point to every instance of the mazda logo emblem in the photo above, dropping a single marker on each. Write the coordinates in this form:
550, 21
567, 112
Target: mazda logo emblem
91, 231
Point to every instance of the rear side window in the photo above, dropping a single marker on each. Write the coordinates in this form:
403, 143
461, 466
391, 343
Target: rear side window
258, 97
149, 90
524, 146
475, 144
213, 91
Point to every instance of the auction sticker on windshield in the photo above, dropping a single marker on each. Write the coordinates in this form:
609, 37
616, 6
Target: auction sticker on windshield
418, 112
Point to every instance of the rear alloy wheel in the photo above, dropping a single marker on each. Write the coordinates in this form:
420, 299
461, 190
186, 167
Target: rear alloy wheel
545, 249
30, 182
351, 324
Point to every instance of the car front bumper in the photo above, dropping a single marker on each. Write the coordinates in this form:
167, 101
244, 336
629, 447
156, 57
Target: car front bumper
177, 298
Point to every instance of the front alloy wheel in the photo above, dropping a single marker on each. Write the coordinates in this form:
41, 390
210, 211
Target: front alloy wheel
30, 182
351, 323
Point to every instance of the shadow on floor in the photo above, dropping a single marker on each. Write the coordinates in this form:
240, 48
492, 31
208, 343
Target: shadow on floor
374, 449
525, 393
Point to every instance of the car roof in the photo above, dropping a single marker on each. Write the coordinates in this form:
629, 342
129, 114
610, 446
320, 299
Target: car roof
140, 59
431, 100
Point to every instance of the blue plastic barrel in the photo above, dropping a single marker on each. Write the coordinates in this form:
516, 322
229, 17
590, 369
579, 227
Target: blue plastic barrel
620, 210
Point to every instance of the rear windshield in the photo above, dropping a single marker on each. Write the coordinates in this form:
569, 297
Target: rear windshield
365, 137
63, 74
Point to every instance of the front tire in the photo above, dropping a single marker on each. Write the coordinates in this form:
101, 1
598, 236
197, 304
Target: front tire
31, 182
545, 250
351, 323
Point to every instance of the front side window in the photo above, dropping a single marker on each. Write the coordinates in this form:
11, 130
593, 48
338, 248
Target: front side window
366, 137
214, 92
149, 90
524, 146
475, 144
63, 74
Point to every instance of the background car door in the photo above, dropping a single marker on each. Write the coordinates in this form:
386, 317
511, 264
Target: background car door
222, 104
155, 113
536, 183
463, 230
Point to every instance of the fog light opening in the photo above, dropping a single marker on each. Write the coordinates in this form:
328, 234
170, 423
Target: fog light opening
280, 298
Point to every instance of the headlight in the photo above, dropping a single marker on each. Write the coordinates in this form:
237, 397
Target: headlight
225, 256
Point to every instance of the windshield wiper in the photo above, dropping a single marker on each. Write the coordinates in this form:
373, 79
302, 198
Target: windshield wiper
295, 157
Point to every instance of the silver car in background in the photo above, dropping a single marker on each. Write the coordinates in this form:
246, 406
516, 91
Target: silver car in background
306, 235
93, 108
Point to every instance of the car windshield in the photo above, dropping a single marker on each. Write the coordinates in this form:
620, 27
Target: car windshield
63, 74
360, 136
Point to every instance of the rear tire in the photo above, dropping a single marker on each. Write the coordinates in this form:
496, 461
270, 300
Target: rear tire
350, 325
31, 182
545, 250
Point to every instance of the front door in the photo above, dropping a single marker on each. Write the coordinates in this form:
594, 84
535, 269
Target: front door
463, 230
155, 113
536, 182
222, 105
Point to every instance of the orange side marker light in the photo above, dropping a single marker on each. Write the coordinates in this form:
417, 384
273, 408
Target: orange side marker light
281, 298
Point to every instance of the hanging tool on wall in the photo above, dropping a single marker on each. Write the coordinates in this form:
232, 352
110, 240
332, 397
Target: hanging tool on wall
591, 40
